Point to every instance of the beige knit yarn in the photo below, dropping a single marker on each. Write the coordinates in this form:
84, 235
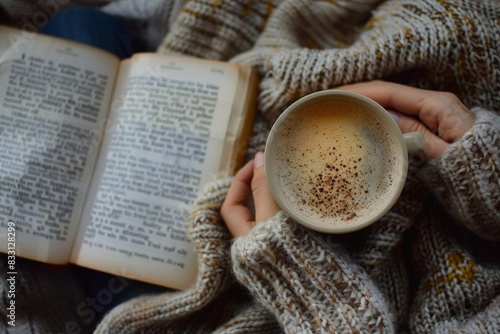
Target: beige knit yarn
312, 286
441, 45
432, 264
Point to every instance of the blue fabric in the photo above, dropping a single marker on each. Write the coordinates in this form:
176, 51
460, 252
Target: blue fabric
92, 27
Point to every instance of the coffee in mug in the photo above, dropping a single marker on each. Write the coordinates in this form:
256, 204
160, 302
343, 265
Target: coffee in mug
336, 161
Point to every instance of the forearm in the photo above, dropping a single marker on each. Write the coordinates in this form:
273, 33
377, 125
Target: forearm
465, 179
305, 283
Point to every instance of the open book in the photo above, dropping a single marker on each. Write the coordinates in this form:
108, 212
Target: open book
101, 159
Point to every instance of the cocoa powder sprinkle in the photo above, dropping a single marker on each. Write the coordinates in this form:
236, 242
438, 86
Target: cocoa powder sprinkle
331, 195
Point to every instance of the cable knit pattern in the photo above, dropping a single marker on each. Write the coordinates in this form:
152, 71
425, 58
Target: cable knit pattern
306, 283
253, 319
486, 321
217, 29
400, 36
466, 177
305, 48
419, 269
454, 288
380, 254
212, 245
175, 312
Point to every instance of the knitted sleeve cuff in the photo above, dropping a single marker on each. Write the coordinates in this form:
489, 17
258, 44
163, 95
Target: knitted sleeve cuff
465, 179
309, 286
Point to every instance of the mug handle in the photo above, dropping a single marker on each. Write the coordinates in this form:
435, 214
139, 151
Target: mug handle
414, 141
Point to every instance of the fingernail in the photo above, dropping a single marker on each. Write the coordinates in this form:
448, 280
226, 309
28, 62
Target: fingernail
394, 115
259, 159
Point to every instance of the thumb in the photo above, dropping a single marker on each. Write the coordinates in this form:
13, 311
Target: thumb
265, 206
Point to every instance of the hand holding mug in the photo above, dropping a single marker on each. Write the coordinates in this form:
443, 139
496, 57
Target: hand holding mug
440, 116
336, 161
249, 184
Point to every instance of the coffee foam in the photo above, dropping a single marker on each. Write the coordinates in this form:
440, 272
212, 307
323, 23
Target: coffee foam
336, 162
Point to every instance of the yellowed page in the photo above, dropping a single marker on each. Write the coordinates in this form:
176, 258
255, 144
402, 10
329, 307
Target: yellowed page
166, 139
240, 125
54, 97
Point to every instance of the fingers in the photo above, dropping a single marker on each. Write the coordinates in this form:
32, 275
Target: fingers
453, 120
234, 210
434, 146
391, 95
250, 180
265, 206
442, 113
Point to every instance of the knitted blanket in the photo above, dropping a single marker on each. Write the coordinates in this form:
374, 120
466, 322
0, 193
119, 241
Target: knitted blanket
424, 267
430, 265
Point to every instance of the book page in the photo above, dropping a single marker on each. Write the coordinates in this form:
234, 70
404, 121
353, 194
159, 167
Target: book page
54, 97
165, 141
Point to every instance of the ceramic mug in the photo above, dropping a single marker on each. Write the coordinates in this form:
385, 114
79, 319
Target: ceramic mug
336, 161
